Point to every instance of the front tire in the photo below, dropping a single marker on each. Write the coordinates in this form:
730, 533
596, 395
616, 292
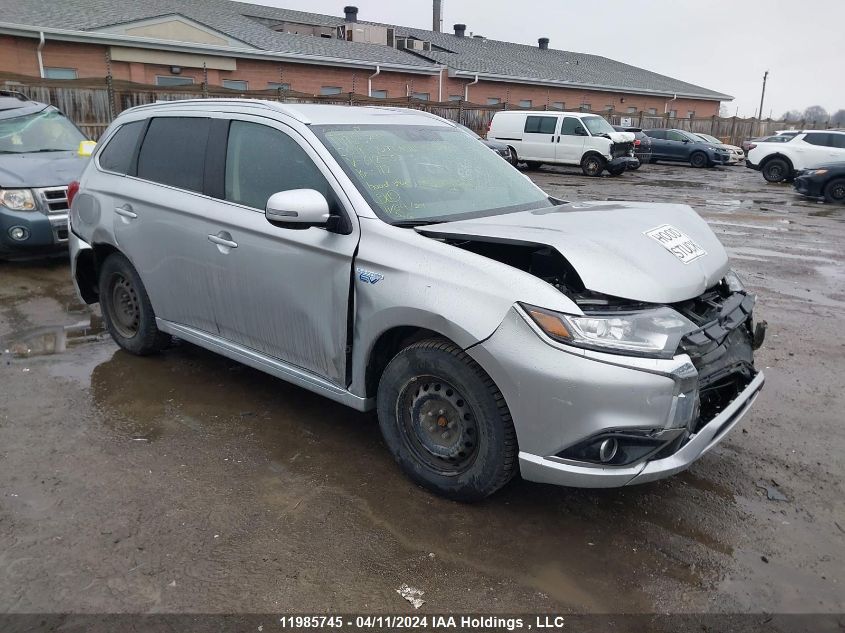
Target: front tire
775, 170
445, 421
592, 165
616, 171
834, 191
127, 312
699, 160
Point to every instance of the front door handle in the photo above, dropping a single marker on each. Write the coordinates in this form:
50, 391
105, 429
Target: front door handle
223, 239
126, 211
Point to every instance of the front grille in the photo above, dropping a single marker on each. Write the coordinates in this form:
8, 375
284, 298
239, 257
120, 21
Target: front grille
721, 348
621, 149
53, 199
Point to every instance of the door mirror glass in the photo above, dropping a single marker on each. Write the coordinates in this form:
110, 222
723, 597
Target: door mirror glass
301, 207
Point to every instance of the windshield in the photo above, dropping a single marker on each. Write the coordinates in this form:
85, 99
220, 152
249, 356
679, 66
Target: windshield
45, 131
710, 139
597, 125
417, 174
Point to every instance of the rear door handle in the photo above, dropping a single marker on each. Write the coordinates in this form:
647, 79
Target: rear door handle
126, 211
220, 240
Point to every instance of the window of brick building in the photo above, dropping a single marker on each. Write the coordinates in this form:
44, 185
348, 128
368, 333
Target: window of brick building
166, 80
422, 96
456, 97
331, 90
235, 84
526, 103
690, 114
275, 85
60, 73
652, 110
586, 107
632, 109
493, 101
673, 114
609, 107
558, 105
379, 94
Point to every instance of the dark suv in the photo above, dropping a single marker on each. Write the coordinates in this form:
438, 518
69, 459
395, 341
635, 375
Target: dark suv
685, 147
39, 155
642, 144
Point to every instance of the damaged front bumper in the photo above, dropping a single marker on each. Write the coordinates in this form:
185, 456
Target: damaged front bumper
561, 398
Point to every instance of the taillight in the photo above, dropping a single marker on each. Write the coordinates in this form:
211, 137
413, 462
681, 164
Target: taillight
72, 190
751, 146
637, 142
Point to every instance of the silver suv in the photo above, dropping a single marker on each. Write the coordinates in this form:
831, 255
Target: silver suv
385, 259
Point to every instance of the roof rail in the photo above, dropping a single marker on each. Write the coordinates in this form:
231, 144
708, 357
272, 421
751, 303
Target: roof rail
14, 93
250, 103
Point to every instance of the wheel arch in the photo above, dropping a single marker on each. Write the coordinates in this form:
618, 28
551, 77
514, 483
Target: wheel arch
87, 270
771, 157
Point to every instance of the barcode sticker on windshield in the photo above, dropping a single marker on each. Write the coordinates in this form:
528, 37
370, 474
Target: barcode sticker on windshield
676, 242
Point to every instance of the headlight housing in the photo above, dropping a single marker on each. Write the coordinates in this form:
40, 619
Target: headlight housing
17, 199
654, 332
815, 172
733, 282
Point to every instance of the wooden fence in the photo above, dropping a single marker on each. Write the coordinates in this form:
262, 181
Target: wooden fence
93, 103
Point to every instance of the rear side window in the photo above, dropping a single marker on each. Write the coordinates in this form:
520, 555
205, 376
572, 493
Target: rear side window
117, 154
261, 161
540, 124
571, 127
173, 152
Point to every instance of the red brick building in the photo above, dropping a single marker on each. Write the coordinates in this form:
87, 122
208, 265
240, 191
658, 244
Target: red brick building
253, 47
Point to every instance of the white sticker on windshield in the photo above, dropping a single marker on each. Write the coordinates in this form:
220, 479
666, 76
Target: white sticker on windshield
676, 242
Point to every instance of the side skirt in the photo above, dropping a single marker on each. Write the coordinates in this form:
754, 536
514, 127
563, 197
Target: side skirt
290, 373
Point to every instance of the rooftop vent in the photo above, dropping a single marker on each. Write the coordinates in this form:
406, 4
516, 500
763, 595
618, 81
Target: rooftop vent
460, 29
351, 14
544, 43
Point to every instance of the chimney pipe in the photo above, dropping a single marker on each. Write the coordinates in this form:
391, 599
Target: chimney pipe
460, 29
351, 14
544, 43
437, 19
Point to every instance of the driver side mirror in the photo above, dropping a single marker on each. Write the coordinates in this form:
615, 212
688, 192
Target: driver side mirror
686, 140
297, 208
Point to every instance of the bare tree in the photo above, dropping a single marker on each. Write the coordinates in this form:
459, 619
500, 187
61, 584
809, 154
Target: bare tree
838, 118
792, 115
815, 113
724, 111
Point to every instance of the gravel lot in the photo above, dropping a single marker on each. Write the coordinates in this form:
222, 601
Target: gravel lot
186, 482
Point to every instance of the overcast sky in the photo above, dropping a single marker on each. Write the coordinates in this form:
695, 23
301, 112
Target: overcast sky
724, 45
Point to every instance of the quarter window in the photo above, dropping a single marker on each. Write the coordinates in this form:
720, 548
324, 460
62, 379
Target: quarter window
540, 124
261, 161
572, 127
819, 138
117, 154
173, 152
838, 140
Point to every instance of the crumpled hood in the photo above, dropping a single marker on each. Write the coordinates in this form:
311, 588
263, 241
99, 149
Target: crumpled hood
44, 169
608, 245
622, 137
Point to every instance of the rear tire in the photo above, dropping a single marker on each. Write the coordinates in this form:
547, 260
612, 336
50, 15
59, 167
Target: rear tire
533, 165
775, 170
699, 160
834, 191
592, 165
127, 312
634, 167
445, 421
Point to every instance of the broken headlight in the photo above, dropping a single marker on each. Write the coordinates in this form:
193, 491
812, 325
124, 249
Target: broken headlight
654, 332
733, 282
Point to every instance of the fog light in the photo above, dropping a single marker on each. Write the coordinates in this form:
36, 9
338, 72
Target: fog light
607, 450
18, 233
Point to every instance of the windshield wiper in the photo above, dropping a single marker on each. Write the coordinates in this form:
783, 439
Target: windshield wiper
416, 222
36, 151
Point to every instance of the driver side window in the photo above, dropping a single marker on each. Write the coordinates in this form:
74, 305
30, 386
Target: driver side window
672, 135
261, 161
572, 127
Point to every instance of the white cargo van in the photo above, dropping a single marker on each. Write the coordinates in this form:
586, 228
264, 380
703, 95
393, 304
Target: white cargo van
564, 138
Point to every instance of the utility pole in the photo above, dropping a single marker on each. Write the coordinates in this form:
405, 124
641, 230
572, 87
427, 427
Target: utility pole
762, 96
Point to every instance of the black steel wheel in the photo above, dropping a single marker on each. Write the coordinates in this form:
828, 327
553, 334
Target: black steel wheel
834, 191
592, 165
445, 421
127, 311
